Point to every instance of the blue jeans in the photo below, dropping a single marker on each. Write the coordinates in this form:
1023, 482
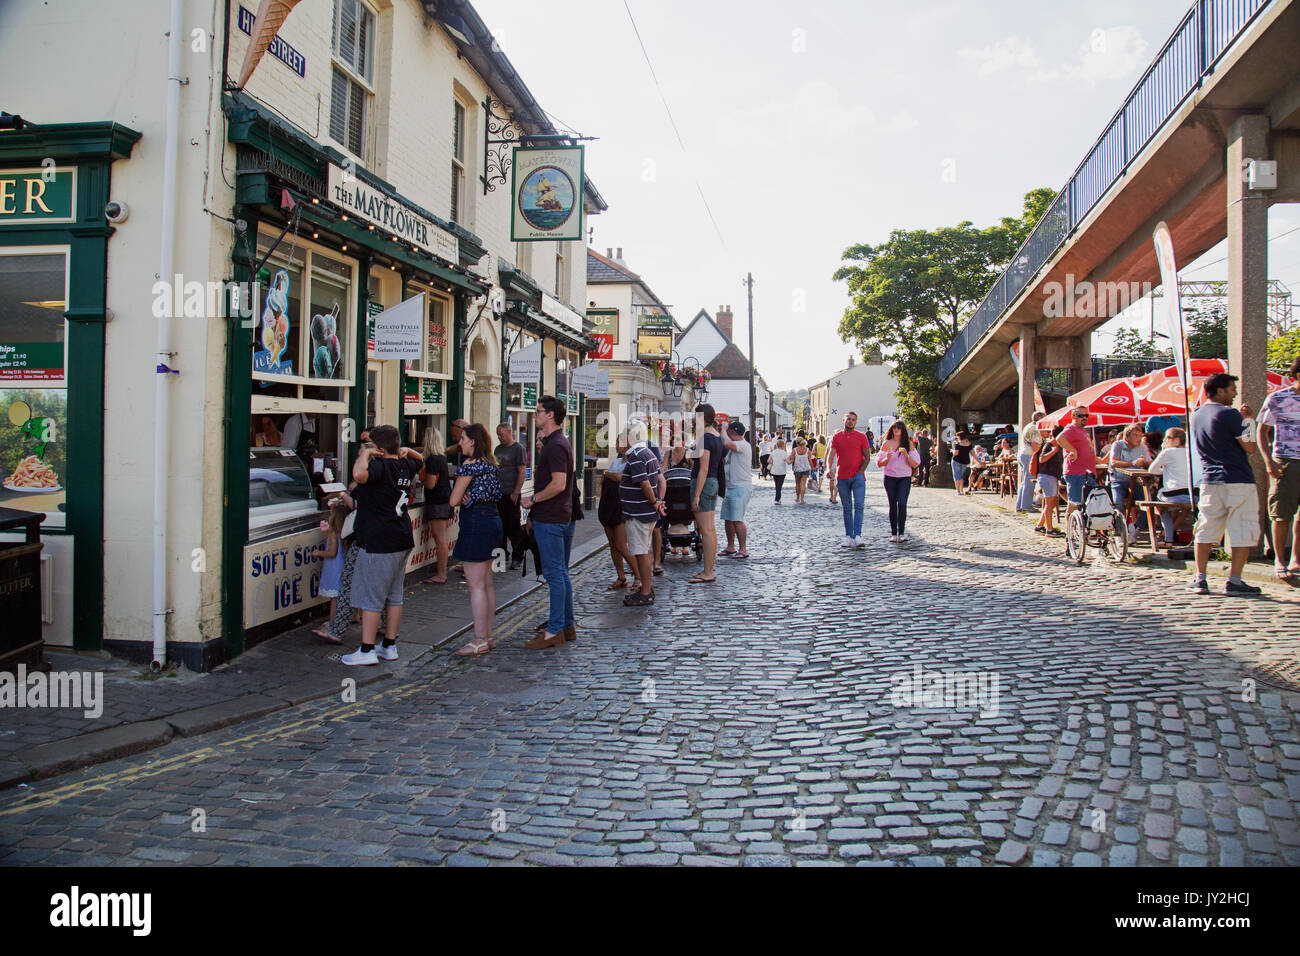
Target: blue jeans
853, 496
554, 542
1025, 498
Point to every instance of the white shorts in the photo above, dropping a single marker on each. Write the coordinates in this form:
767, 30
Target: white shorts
640, 535
1231, 510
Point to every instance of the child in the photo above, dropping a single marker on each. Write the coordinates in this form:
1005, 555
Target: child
331, 572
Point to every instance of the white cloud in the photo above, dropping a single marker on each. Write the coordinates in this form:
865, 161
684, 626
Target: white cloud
1012, 51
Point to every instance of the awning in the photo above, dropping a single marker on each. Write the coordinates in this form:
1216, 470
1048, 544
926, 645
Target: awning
531, 320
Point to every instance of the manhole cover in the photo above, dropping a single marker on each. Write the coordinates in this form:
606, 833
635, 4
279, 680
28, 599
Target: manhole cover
1281, 674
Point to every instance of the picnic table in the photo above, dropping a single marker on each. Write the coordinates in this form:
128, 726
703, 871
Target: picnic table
1149, 483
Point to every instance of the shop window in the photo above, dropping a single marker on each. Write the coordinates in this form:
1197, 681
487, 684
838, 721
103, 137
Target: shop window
428, 378
353, 73
33, 381
598, 437
517, 391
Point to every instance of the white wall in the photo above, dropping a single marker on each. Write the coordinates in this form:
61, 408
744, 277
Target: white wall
865, 389
702, 342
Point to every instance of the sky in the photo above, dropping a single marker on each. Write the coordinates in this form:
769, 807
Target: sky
798, 130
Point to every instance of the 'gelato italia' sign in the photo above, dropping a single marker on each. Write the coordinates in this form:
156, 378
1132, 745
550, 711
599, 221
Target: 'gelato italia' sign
371, 205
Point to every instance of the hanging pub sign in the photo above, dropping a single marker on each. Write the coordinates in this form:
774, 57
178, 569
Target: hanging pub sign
398, 330
46, 194
655, 337
371, 205
547, 193
526, 364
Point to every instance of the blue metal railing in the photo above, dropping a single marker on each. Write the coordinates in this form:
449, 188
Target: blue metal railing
1190, 53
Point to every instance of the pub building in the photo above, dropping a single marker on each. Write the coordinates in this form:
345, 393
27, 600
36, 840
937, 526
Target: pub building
281, 206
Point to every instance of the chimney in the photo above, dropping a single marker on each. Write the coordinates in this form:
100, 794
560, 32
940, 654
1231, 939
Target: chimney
619, 258
850, 361
723, 320
609, 252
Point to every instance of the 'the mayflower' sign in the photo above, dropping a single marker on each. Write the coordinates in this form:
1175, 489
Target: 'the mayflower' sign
547, 188
370, 204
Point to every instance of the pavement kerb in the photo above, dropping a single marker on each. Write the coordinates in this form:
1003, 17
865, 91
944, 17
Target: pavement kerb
1217, 571
46, 760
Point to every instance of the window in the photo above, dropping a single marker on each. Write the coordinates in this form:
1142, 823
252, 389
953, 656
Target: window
457, 161
428, 377
34, 469
303, 344
353, 71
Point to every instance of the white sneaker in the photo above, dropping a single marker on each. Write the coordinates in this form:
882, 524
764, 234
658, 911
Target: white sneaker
902, 538
360, 656
859, 542
386, 653
847, 542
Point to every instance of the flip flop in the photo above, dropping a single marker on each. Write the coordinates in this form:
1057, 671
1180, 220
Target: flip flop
1283, 574
699, 580
321, 632
726, 554
741, 555
658, 571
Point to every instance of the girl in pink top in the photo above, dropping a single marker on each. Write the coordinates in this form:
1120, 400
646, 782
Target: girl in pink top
898, 459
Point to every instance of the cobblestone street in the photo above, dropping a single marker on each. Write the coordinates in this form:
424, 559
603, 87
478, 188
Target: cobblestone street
758, 721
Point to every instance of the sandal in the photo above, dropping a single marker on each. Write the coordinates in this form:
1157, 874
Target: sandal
741, 555
1283, 574
638, 599
699, 580
620, 583
475, 647
658, 571
436, 580
321, 632
726, 554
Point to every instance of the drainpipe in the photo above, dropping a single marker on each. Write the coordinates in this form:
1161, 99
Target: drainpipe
162, 396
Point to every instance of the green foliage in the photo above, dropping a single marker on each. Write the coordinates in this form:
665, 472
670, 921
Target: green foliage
1207, 332
910, 295
1130, 343
1283, 349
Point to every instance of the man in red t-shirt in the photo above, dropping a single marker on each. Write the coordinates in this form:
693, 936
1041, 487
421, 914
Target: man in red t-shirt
851, 451
1080, 459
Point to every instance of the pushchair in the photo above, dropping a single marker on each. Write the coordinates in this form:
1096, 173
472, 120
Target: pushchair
679, 520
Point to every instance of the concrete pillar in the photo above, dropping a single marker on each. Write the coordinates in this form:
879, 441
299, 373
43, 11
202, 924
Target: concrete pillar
1081, 361
950, 416
1248, 276
1028, 370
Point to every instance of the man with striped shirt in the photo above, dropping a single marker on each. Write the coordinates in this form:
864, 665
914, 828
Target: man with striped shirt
642, 506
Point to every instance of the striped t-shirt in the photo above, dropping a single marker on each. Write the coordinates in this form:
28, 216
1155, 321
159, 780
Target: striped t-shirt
641, 465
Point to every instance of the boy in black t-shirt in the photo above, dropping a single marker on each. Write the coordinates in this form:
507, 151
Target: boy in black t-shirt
383, 529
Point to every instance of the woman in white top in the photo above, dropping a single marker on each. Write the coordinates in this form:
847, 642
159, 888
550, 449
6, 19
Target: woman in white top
1173, 466
777, 466
764, 454
802, 462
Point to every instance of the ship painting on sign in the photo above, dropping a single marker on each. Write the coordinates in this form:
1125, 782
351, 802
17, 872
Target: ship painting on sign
546, 197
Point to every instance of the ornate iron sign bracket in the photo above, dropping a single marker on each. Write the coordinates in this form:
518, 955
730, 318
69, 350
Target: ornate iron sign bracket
501, 135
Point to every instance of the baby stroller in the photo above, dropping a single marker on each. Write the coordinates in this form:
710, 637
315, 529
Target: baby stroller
679, 522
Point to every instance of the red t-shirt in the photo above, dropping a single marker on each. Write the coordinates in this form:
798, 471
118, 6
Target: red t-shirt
1086, 463
850, 452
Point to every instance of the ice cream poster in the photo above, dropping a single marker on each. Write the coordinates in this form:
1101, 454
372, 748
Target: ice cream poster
275, 328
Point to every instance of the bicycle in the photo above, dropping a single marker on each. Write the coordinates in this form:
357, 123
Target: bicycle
1096, 522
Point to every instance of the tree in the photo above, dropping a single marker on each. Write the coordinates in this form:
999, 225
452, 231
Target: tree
910, 295
1130, 343
1207, 332
1283, 349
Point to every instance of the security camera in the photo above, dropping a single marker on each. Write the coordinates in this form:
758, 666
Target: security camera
116, 211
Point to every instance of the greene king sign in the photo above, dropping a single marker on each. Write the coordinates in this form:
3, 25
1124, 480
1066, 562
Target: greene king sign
368, 203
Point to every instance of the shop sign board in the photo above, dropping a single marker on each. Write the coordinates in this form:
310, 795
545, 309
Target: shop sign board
530, 395
604, 347
372, 310
31, 361
281, 577
526, 364
655, 337
372, 205
557, 310
398, 330
546, 190
42, 194
570, 400
422, 391
584, 378
278, 48
604, 322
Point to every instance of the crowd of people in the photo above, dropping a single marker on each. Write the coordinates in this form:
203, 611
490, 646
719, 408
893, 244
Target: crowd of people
1212, 479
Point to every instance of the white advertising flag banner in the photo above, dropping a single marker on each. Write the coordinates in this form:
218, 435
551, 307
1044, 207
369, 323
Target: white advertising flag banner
584, 378
526, 364
1173, 308
399, 330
